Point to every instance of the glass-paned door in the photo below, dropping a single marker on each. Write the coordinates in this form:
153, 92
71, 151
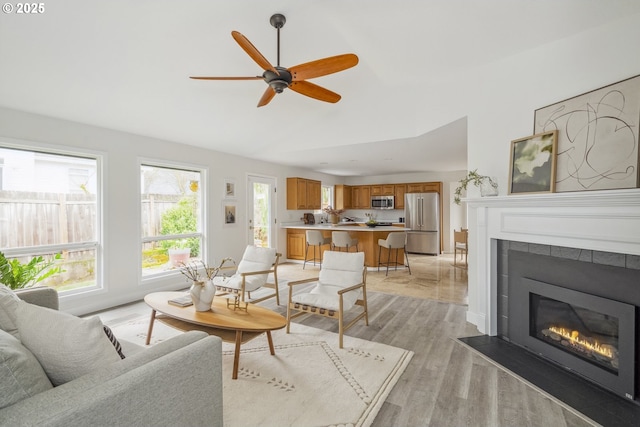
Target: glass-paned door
260, 208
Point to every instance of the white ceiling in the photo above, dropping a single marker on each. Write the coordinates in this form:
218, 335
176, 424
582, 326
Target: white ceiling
124, 64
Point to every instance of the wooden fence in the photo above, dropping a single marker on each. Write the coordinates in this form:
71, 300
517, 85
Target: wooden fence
36, 219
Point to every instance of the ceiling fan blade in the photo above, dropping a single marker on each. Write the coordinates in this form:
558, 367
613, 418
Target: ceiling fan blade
322, 67
228, 78
314, 91
267, 96
251, 50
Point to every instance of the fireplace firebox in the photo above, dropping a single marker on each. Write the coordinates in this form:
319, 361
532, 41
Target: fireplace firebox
589, 335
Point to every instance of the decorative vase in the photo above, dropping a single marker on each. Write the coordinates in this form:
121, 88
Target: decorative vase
202, 294
334, 218
488, 187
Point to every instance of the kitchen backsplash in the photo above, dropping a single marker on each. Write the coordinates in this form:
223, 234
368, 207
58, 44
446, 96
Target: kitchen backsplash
360, 215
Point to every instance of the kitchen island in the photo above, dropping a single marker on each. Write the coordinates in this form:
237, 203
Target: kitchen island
367, 239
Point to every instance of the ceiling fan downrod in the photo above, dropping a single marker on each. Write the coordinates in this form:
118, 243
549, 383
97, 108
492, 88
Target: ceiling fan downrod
278, 20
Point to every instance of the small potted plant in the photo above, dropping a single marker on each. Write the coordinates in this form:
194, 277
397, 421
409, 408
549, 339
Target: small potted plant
488, 187
18, 275
334, 214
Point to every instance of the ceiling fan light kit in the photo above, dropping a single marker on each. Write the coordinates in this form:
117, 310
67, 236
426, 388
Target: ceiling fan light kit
280, 78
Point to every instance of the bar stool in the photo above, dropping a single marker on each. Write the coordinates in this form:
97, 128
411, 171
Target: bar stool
315, 238
342, 239
397, 241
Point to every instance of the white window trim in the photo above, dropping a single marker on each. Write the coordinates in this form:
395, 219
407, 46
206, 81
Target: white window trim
170, 276
100, 243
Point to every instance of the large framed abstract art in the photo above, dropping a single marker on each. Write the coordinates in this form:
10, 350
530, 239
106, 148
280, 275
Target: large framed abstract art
597, 137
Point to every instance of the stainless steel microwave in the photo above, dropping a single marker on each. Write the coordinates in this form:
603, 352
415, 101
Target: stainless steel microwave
382, 202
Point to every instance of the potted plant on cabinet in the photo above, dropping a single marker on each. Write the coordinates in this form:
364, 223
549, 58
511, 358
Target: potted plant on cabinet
18, 275
488, 187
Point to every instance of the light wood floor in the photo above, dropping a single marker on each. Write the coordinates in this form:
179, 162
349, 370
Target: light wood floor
445, 384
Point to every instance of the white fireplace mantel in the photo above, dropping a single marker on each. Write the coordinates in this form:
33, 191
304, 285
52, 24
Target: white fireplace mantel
606, 221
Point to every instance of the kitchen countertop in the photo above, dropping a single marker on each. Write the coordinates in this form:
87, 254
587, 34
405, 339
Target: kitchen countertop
343, 227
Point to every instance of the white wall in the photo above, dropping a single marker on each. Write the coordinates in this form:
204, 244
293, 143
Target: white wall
506, 94
121, 152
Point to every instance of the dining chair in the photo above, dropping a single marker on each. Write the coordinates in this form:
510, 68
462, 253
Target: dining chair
461, 245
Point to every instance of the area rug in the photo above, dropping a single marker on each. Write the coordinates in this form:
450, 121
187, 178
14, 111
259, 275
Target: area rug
309, 381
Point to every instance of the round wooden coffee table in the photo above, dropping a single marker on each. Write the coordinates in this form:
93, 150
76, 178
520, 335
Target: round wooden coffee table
237, 326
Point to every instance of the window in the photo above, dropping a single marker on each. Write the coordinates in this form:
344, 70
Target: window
44, 213
327, 196
1, 171
171, 217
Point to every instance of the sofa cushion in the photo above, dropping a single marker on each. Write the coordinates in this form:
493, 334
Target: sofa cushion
21, 376
8, 304
66, 346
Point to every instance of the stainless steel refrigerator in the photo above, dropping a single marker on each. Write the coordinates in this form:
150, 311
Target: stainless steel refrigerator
422, 217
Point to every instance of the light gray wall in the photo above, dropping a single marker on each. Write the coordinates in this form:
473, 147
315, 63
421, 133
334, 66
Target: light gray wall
121, 152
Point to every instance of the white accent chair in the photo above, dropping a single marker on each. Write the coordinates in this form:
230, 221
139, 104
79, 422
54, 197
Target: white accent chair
317, 240
340, 286
251, 274
394, 242
342, 239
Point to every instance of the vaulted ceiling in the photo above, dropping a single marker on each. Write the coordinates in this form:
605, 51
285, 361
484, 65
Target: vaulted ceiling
124, 65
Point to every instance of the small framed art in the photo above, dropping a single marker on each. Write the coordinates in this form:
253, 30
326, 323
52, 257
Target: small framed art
229, 212
229, 189
532, 167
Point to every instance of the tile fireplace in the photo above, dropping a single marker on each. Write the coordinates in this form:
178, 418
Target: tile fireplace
579, 233
584, 321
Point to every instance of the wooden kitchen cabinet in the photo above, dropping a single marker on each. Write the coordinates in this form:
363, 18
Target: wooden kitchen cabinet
303, 193
398, 192
296, 244
343, 197
382, 190
361, 197
424, 187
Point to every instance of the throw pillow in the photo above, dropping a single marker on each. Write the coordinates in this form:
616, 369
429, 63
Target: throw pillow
66, 346
21, 376
8, 304
114, 340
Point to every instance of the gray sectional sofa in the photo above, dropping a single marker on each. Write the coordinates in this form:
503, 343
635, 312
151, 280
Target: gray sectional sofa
177, 382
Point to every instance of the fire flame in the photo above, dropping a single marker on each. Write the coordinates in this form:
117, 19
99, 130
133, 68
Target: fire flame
574, 337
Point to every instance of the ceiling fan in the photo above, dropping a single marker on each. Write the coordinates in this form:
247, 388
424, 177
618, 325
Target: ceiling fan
279, 78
